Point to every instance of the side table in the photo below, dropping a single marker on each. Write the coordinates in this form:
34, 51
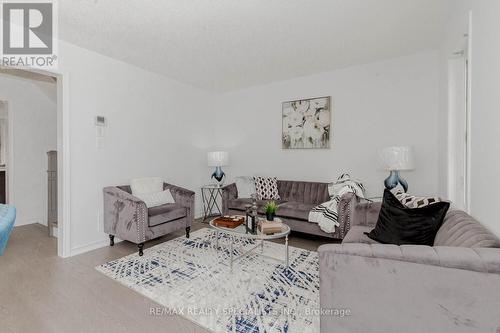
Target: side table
209, 196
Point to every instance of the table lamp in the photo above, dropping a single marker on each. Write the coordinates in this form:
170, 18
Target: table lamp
218, 159
397, 159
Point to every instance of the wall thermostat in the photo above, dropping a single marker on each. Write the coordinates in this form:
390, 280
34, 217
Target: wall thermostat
100, 121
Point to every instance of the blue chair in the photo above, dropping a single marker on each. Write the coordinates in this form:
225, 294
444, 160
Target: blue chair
7, 219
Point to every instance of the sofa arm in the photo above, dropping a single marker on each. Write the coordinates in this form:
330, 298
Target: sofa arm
393, 288
354, 210
7, 220
365, 213
229, 192
344, 209
183, 197
125, 216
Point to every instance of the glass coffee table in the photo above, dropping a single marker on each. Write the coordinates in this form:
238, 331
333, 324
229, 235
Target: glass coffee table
240, 232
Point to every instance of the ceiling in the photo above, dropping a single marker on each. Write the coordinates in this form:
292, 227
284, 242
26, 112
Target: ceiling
222, 45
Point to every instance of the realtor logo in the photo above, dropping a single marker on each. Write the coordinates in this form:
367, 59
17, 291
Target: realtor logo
28, 33
27, 28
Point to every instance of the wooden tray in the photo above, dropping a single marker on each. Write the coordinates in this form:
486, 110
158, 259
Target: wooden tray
228, 222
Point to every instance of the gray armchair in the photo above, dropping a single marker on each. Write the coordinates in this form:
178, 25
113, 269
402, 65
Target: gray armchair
450, 287
128, 218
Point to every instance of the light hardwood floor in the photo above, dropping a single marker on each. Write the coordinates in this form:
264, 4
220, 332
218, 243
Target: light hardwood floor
40, 292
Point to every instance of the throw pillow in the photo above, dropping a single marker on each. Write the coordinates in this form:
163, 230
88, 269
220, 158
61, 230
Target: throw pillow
266, 188
156, 199
412, 201
245, 187
398, 224
150, 191
146, 185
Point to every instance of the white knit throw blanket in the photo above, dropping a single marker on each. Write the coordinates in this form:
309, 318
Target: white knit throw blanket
326, 214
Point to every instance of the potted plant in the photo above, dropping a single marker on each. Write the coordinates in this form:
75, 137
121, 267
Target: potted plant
271, 207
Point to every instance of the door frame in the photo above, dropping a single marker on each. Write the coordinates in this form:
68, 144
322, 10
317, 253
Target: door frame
469, 113
465, 46
63, 159
9, 194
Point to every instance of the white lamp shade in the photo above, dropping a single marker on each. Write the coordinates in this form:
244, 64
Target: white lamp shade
218, 158
397, 158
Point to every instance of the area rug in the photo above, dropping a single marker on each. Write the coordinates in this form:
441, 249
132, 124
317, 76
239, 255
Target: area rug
190, 277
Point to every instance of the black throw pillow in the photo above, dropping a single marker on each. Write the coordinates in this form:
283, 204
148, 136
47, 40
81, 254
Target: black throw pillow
398, 224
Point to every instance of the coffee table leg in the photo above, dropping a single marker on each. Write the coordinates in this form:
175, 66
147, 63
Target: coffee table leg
262, 246
231, 254
217, 240
286, 249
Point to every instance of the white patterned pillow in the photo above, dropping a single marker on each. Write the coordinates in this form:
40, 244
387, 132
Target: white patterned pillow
412, 201
266, 188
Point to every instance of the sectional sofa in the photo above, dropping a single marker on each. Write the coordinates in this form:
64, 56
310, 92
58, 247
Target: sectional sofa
453, 286
7, 220
297, 199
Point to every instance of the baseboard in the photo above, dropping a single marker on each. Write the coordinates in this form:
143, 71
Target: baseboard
91, 246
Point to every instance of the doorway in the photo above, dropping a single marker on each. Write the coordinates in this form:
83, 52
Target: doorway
459, 124
54, 183
4, 142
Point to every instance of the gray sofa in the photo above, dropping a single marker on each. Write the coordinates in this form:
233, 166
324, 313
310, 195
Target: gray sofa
128, 218
453, 286
297, 199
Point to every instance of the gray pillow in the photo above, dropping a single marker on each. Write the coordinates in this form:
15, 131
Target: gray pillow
245, 187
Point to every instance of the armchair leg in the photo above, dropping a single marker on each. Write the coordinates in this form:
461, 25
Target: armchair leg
140, 246
111, 240
188, 229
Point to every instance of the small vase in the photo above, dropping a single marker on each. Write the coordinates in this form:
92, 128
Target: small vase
270, 216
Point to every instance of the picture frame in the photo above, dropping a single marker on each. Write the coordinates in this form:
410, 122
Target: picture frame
306, 123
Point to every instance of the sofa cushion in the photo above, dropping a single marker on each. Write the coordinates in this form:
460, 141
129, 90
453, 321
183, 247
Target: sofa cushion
156, 199
295, 210
165, 213
239, 204
307, 192
460, 229
357, 235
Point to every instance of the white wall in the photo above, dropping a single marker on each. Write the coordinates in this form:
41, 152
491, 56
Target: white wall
156, 127
394, 102
34, 120
159, 127
485, 104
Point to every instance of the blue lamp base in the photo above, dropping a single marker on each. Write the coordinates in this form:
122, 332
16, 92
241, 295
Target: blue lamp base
394, 179
219, 175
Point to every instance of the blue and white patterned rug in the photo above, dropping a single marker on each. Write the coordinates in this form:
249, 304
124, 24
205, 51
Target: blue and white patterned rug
190, 277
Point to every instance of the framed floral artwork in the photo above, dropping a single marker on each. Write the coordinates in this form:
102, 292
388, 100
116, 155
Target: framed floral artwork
307, 123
